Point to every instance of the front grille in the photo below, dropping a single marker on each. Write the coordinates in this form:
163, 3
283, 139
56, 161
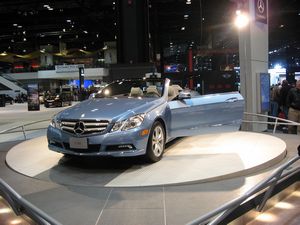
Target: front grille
92, 148
89, 126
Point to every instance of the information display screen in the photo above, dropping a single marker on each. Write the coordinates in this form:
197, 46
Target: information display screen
264, 80
33, 97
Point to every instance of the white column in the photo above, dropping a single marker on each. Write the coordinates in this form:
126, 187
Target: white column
253, 53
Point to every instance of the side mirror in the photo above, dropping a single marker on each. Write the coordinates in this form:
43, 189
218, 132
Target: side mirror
184, 95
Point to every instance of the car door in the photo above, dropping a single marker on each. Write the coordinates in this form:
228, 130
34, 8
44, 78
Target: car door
206, 114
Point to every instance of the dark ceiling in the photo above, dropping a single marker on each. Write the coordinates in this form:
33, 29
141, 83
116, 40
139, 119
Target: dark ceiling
25, 25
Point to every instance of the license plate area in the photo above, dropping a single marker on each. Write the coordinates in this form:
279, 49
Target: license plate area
78, 143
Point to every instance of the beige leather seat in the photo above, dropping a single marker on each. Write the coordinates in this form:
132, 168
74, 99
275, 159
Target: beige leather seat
136, 92
152, 91
177, 88
171, 93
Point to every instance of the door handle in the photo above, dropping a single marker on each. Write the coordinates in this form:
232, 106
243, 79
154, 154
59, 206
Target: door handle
234, 99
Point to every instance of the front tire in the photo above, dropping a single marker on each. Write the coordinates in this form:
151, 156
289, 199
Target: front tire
156, 143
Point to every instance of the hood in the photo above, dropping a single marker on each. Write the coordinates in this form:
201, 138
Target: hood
109, 108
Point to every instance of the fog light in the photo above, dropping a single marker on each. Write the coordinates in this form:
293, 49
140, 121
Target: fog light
124, 147
144, 132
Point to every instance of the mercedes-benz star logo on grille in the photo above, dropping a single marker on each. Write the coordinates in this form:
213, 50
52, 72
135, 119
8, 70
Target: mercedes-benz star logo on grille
261, 6
79, 127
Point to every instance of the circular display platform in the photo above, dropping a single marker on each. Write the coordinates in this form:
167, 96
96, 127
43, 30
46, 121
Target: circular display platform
192, 159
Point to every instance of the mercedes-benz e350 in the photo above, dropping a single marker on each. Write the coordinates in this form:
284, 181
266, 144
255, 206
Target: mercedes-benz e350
137, 117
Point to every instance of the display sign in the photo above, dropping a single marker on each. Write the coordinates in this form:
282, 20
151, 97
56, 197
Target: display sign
81, 78
33, 97
261, 11
264, 92
68, 68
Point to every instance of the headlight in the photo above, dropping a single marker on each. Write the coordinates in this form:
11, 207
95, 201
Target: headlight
132, 122
54, 122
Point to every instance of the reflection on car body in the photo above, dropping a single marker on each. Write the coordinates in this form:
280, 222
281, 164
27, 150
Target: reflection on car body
58, 100
137, 117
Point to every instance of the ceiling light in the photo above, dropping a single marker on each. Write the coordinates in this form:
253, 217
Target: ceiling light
50, 9
85, 32
69, 21
24, 32
24, 50
12, 40
19, 26
182, 28
46, 6
281, 26
114, 3
97, 35
64, 30
59, 36
185, 16
24, 39
188, 2
241, 20
15, 24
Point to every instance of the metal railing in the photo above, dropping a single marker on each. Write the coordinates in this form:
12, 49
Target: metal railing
22, 207
214, 217
22, 128
218, 215
275, 123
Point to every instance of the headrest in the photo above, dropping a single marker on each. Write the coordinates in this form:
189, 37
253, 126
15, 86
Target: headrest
136, 92
152, 90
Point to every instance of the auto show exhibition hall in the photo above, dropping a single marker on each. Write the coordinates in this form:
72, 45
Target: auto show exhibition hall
213, 164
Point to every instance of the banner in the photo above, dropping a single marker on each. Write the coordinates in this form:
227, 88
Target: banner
68, 68
33, 97
264, 92
261, 11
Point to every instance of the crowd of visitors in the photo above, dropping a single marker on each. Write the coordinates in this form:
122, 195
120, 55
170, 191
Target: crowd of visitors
285, 103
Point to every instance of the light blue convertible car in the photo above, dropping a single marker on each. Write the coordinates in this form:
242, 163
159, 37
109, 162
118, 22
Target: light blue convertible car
137, 117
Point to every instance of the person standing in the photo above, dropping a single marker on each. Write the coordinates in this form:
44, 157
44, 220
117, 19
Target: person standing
275, 99
285, 87
293, 102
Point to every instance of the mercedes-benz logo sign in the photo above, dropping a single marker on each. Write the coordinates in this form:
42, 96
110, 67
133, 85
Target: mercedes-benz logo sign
261, 6
79, 127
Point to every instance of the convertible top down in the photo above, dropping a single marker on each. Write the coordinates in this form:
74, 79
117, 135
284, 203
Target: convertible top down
137, 117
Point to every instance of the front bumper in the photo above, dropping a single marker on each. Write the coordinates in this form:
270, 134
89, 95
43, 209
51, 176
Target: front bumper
116, 144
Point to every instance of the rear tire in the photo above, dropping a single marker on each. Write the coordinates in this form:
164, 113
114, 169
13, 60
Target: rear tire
156, 143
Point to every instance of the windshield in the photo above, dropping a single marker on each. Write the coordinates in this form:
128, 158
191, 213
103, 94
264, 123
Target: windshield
149, 88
